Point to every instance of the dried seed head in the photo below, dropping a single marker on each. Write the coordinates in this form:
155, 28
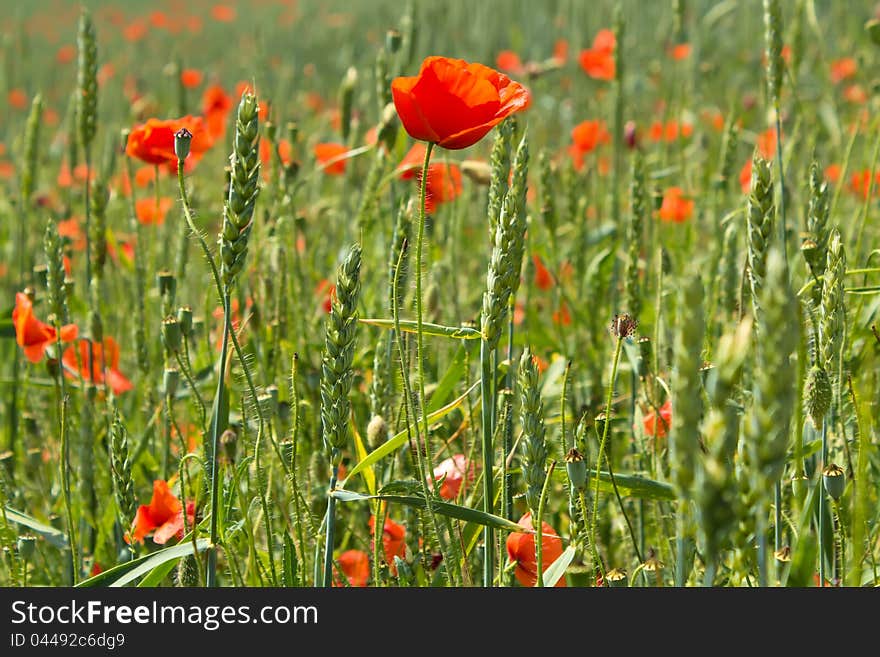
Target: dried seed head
377, 431
783, 554
623, 326
616, 578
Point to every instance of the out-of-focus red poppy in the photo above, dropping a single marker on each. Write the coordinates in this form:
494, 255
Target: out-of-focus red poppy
766, 144
560, 51
135, 31
655, 427
598, 61
144, 176
843, 69
148, 213
562, 315
7, 169
676, 206
216, 105
543, 277
191, 78
855, 94
452, 471
393, 541
105, 73
72, 230
444, 178
32, 335
509, 62
50, 116
586, 137
223, 13
680, 51
832, 173
453, 103
17, 99
670, 131
745, 177
521, 550
355, 566
104, 356
329, 156
860, 182
65, 54
153, 142
159, 19
325, 290
163, 516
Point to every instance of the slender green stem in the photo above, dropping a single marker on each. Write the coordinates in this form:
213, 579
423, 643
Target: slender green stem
488, 495
539, 526
782, 223
216, 430
598, 566
821, 492
331, 530
615, 362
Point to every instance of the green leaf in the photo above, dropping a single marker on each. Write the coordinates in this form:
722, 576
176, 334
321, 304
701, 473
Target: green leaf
399, 440
154, 577
288, 562
410, 326
443, 508
557, 569
127, 572
401, 487
450, 380
361, 451
628, 485
53, 536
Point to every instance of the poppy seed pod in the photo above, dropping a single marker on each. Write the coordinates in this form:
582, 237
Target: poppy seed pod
170, 379
834, 479
182, 142
171, 334
616, 578
576, 467
167, 283
185, 319
27, 546
393, 39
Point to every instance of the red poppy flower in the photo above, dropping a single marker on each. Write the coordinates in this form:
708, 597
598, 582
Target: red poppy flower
543, 277
163, 516
676, 207
329, 156
148, 213
104, 356
855, 94
509, 62
355, 566
444, 178
32, 335
72, 230
680, 51
860, 182
843, 69
766, 144
216, 105
65, 54
658, 429
521, 549
598, 61
453, 471
135, 31
393, 541
832, 173
560, 51
562, 315
190, 78
453, 103
17, 99
223, 13
585, 137
326, 290
153, 141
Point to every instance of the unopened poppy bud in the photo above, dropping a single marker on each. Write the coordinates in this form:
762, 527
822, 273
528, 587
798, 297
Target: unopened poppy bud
630, 135
799, 485
228, 442
376, 431
53, 367
187, 572
182, 141
292, 132
817, 395
95, 327
616, 578
185, 319
387, 130
834, 479
171, 334
167, 283
576, 467
198, 325
393, 40
27, 546
170, 379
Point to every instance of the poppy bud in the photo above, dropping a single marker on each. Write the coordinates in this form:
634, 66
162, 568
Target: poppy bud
817, 395
799, 485
185, 319
27, 546
630, 135
616, 578
171, 334
387, 129
393, 40
834, 479
228, 441
376, 431
270, 130
872, 27
576, 467
292, 132
170, 379
182, 141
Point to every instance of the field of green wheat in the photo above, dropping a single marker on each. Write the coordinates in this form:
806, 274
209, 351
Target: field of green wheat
558, 294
